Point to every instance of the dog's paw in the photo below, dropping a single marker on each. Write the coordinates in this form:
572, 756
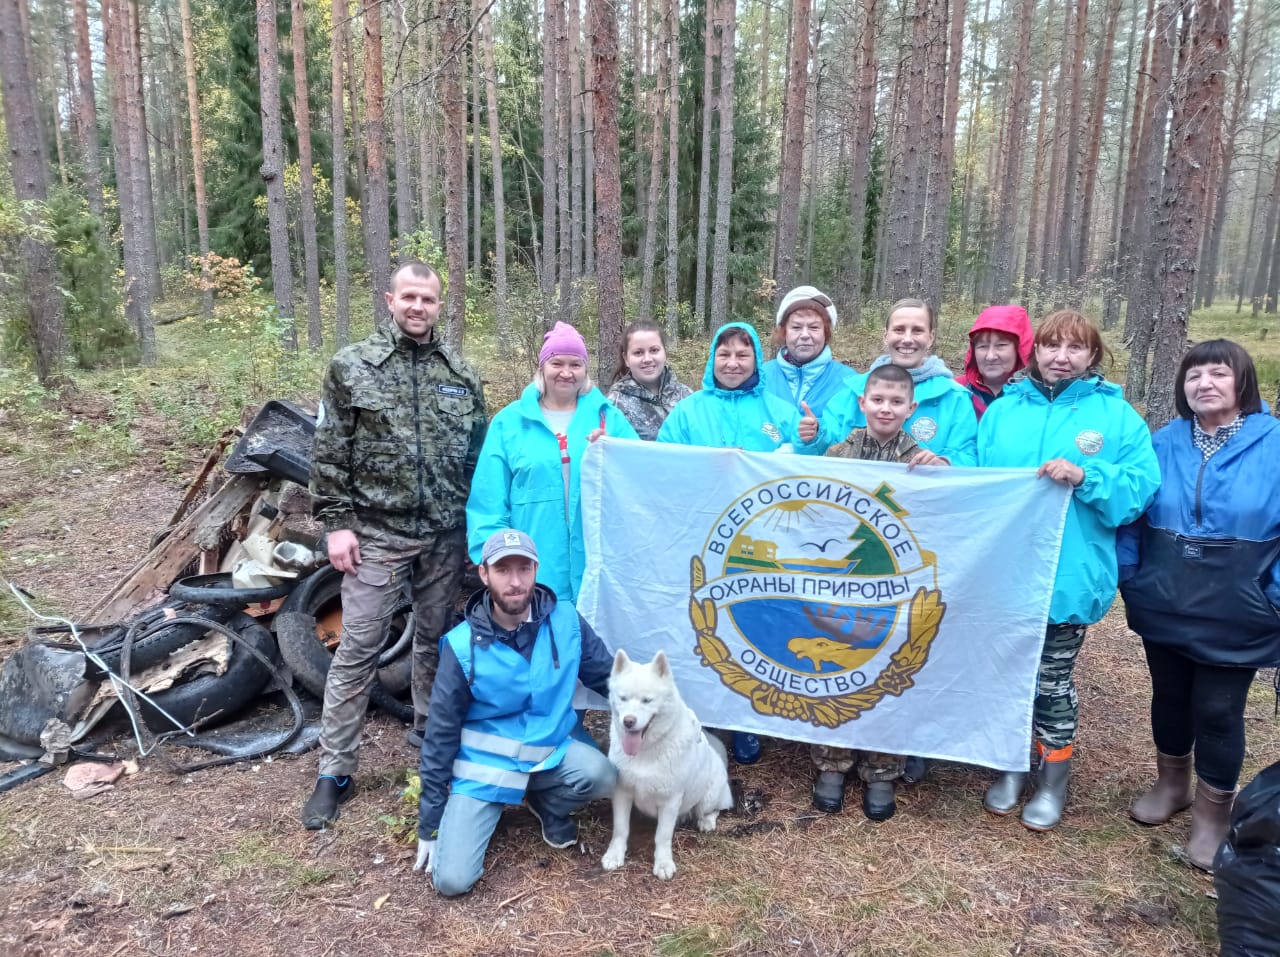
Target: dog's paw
707, 822
664, 868
614, 857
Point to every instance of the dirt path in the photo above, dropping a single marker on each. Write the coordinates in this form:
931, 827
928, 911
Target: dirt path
215, 863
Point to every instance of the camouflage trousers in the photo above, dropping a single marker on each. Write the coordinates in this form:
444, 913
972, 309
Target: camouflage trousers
432, 569
872, 765
1057, 710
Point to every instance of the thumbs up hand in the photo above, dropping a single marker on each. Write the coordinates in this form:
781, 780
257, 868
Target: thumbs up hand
808, 424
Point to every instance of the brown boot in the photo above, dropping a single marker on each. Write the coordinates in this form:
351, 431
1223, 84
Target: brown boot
1210, 821
1170, 794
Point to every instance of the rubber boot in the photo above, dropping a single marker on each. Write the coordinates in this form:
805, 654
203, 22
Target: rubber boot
1170, 794
878, 800
828, 791
1044, 810
1210, 821
1005, 792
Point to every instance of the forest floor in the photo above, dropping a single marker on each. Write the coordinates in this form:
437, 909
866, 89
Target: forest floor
215, 863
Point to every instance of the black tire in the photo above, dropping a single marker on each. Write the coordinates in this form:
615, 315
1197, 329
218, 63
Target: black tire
154, 647
224, 695
323, 588
309, 661
216, 590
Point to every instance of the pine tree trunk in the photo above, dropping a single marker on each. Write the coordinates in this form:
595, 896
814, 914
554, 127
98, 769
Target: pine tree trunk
1144, 300
589, 154
673, 166
137, 291
273, 164
1015, 139
657, 103
704, 174
608, 176
427, 134
1213, 248
499, 190
575, 136
767, 6
377, 227
1066, 272
1093, 147
568, 290
724, 178
793, 117
302, 118
87, 113
938, 218
1062, 138
1111, 297
861, 156
197, 153
913, 139
1258, 298
337, 125
1198, 100
141, 150
550, 153
357, 133
454, 13
477, 187
41, 300
399, 125
1031, 266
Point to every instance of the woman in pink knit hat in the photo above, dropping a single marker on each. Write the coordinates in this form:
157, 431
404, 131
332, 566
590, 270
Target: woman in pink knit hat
527, 475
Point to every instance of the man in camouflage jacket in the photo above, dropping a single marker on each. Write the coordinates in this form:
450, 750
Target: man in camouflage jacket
402, 423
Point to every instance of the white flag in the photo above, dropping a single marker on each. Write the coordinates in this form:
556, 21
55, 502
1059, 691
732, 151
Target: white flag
829, 600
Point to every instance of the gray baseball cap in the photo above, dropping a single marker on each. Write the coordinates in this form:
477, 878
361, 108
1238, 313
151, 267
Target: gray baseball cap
509, 542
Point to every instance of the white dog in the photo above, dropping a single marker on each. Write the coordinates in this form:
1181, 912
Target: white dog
667, 765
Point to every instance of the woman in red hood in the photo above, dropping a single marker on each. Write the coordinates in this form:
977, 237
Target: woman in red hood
999, 345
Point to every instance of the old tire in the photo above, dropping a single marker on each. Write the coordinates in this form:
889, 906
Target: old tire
224, 695
309, 658
217, 590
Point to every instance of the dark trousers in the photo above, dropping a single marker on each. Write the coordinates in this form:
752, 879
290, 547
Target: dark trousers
1202, 707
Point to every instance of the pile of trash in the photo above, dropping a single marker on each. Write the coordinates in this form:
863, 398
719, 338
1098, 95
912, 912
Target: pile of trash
233, 606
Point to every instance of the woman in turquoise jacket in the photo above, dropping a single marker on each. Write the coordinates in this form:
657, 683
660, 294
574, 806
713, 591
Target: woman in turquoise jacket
527, 474
733, 410
944, 421
1200, 576
1067, 421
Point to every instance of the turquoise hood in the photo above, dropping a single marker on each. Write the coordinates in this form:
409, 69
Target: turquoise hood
709, 374
750, 419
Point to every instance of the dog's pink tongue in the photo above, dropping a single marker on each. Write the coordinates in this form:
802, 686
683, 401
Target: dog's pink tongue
631, 742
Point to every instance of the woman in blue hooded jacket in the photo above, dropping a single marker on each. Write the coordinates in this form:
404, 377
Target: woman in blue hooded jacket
527, 473
1067, 421
944, 421
1200, 576
733, 410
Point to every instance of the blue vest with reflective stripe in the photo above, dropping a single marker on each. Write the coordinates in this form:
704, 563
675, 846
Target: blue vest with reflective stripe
522, 713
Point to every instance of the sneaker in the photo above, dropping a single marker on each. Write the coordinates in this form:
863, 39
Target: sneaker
558, 832
413, 738
746, 747
878, 802
321, 808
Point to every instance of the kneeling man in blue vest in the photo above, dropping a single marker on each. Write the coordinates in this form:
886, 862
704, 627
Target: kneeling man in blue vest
501, 726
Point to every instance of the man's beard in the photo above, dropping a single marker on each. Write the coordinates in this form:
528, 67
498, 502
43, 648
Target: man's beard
517, 609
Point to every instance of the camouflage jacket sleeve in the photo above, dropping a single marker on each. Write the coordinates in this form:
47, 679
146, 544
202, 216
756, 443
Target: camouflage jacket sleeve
331, 456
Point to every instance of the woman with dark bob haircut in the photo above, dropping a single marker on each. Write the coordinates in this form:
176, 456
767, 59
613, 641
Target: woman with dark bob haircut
1200, 576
